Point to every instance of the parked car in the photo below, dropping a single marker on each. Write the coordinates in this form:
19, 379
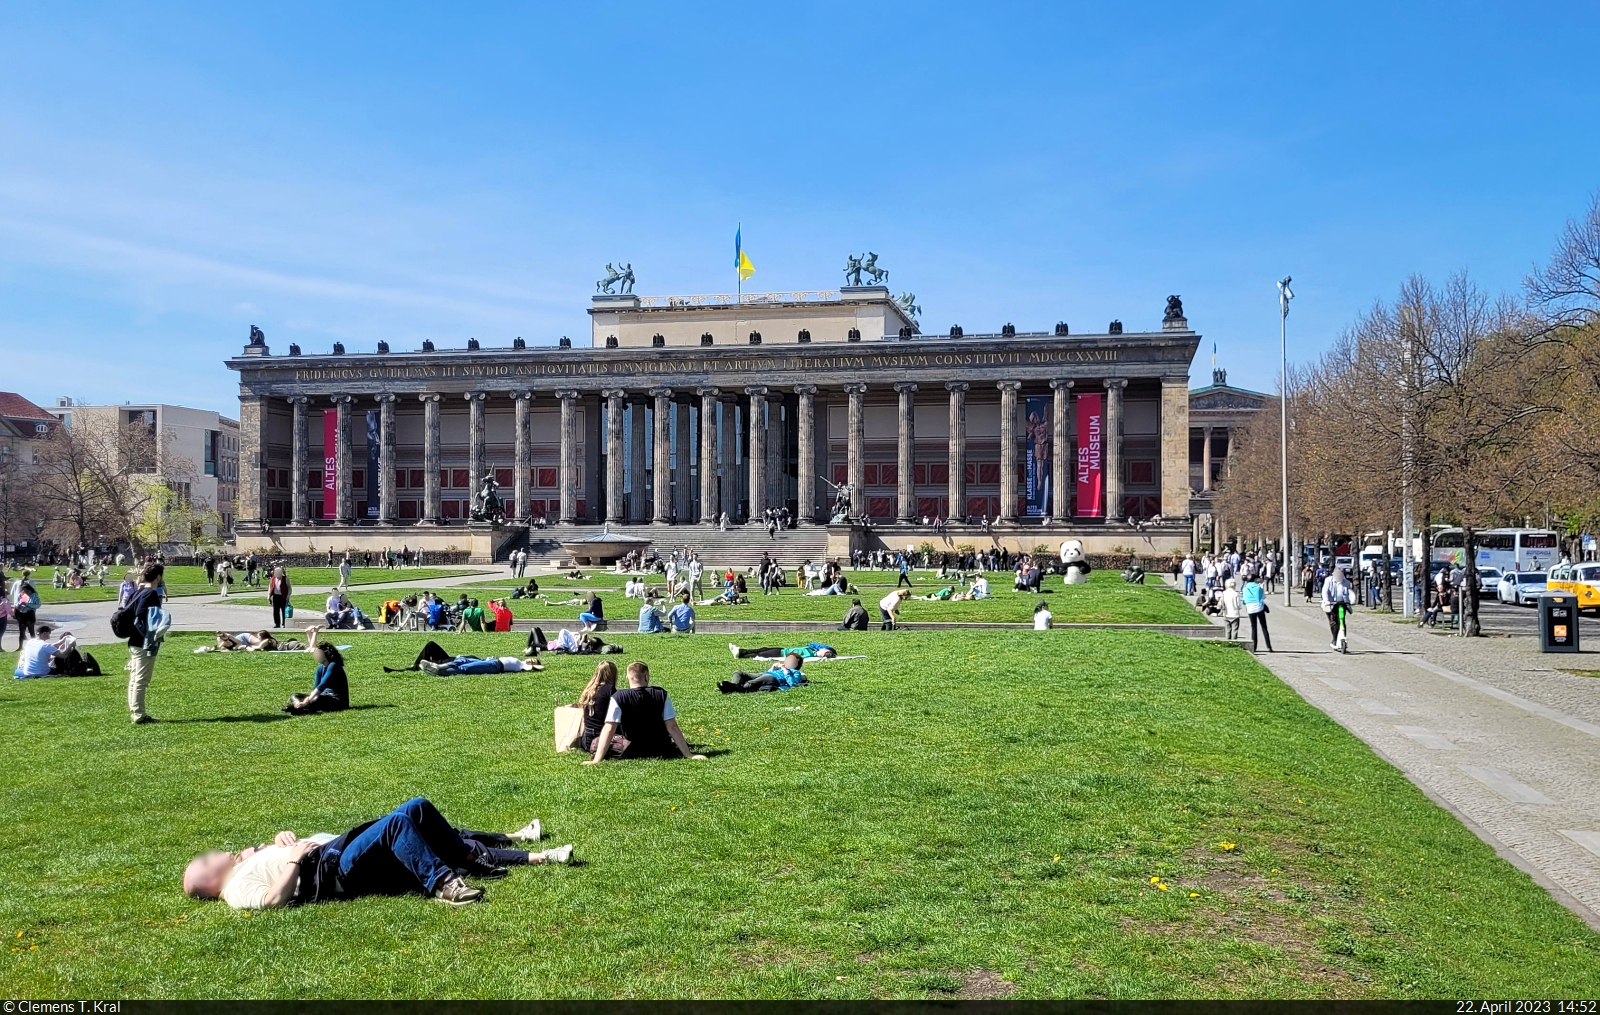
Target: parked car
1348, 563
1581, 580
1521, 588
1488, 580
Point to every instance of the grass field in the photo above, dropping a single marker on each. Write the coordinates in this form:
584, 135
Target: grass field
958, 815
1106, 599
191, 581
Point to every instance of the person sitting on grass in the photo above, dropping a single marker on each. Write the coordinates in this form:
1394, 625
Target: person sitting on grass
34, 655
838, 587
472, 616
780, 676
889, 607
412, 848
473, 665
576, 643
501, 614
980, 588
650, 619
331, 690
1043, 619
681, 618
644, 717
593, 613
527, 591
340, 613
855, 618
596, 702
811, 650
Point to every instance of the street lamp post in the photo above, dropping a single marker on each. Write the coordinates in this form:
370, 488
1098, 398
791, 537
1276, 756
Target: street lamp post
1285, 294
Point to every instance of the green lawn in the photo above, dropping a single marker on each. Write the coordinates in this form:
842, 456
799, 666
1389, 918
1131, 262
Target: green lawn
958, 814
1106, 599
190, 581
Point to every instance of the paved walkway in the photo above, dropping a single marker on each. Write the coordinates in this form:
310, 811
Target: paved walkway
1490, 728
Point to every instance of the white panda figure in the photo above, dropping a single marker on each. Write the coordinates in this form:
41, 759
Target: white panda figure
1077, 562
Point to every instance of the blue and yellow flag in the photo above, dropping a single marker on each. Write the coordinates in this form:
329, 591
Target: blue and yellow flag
741, 263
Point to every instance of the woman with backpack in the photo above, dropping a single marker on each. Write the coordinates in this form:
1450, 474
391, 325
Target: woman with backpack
24, 608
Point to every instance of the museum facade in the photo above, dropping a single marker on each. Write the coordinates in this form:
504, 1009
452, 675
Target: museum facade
682, 409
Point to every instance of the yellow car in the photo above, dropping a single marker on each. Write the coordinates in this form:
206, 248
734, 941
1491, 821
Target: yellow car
1581, 580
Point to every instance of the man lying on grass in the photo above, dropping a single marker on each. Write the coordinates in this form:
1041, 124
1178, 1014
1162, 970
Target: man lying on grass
810, 650
643, 717
780, 676
469, 665
410, 849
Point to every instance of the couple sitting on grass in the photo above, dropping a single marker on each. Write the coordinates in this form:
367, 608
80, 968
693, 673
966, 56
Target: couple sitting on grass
637, 721
410, 849
781, 675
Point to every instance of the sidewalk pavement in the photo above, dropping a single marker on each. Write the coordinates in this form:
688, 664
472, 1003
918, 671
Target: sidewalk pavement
1489, 728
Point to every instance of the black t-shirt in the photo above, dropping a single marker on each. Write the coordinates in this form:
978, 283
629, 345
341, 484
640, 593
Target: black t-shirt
594, 717
642, 722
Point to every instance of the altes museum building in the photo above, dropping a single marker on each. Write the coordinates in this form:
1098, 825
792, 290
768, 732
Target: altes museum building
679, 410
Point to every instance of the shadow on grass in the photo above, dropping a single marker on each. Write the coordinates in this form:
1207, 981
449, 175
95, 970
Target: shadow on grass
273, 716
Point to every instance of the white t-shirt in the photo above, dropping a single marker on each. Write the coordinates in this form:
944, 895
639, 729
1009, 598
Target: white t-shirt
513, 664
34, 659
614, 713
890, 602
980, 587
1188, 566
252, 881
1041, 620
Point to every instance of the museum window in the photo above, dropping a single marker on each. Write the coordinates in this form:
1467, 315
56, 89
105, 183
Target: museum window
503, 477
419, 478
547, 477
989, 473
889, 473
1141, 473
458, 479
870, 474
409, 508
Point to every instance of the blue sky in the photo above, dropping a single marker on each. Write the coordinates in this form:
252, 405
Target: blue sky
171, 174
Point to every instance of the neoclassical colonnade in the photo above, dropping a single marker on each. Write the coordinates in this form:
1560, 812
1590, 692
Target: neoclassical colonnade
682, 454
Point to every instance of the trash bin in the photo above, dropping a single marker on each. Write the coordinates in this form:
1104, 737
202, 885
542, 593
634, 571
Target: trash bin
1558, 622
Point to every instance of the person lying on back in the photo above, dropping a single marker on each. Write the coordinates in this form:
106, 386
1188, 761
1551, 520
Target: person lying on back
810, 650
470, 665
644, 717
780, 676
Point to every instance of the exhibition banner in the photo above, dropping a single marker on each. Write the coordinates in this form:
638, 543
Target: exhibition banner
330, 461
373, 475
1036, 472
1091, 481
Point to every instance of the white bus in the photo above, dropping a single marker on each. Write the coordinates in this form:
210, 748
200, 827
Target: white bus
1506, 549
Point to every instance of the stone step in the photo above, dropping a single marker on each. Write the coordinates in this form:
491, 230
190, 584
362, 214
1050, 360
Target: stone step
739, 546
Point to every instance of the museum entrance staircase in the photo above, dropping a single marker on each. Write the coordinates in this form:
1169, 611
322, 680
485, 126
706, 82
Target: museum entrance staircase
741, 546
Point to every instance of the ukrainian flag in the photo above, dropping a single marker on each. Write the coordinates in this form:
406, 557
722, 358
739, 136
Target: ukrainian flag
741, 263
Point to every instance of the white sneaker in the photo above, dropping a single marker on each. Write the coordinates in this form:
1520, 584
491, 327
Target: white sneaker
733, 649
561, 854
531, 832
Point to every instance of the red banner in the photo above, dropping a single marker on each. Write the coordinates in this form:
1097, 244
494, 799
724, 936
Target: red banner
1091, 482
330, 461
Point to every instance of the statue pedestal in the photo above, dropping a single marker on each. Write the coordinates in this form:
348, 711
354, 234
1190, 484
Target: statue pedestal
1176, 324
616, 301
863, 292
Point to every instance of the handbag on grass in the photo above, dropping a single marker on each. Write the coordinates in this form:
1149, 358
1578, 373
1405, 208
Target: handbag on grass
569, 727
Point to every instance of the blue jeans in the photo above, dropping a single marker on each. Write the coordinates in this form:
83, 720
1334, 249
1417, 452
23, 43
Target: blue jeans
470, 664
410, 847
589, 618
1188, 584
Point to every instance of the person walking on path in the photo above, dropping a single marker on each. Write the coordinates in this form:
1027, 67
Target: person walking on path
1337, 597
344, 572
1187, 570
905, 572
278, 591
1255, 607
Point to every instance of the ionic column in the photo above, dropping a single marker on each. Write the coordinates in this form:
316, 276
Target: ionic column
1205, 461
1060, 449
758, 453
615, 452
1008, 449
683, 455
1112, 442
856, 448
661, 468
475, 441
522, 471
708, 455
387, 507
297, 482
958, 450
806, 451
907, 450
344, 504
636, 501
569, 456
431, 506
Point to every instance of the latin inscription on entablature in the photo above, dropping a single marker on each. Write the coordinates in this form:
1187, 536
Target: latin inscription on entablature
556, 368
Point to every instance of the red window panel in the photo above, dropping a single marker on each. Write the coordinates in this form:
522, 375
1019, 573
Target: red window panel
400, 479
1022, 505
314, 479
410, 508
972, 473
880, 507
315, 509
1022, 472
452, 508
889, 473
977, 506
919, 475
1141, 473
1152, 507
1131, 505
841, 473
275, 509
272, 477
358, 478
458, 479
547, 477
994, 507
927, 507
870, 474
583, 508
419, 479
361, 509
989, 473
939, 473
444, 479
503, 477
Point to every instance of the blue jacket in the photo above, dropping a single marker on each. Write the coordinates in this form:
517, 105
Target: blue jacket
1253, 595
787, 678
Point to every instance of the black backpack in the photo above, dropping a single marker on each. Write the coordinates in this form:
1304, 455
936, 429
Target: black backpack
124, 619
